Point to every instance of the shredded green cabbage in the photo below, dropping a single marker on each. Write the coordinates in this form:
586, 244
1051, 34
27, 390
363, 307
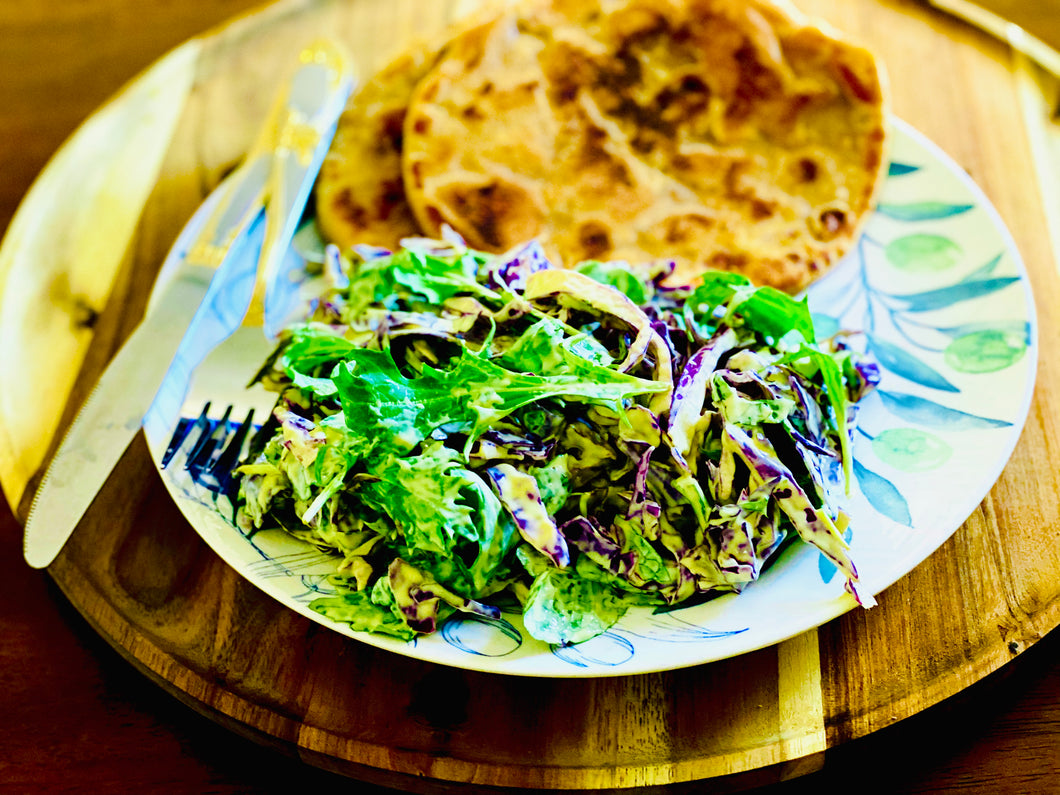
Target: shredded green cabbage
466, 431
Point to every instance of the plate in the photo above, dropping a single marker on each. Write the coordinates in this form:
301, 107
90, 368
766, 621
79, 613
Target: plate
940, 293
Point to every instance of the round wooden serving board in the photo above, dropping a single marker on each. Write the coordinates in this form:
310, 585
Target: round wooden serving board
77, 266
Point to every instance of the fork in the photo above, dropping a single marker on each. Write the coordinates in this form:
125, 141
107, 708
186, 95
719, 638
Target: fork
290, 149
213, 448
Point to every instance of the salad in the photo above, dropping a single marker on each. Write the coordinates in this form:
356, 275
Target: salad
489, 433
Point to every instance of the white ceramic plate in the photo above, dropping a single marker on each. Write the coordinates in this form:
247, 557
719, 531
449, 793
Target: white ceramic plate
937, 286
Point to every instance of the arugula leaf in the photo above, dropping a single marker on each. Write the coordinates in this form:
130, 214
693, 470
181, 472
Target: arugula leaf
434, 279
716, 289
724, 297
399, 411
380, 403
772, 314
809, 360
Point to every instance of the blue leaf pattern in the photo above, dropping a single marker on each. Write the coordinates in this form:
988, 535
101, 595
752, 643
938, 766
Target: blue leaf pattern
901, 169
1020, 327
934, 415
905, 364
670, 628
484, 637
883, 495
608, 650
947, 296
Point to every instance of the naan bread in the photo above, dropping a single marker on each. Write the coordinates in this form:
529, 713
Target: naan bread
359, 193
727, 134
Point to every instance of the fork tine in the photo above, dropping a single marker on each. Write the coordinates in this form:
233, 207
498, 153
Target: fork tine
184, 429
184, 426
221, 469
216, 446
210, 439
264, 432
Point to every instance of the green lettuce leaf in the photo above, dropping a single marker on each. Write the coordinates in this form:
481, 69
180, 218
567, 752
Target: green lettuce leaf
451, 523
620, 276
562, 608
546, 349
313, 346
357, 609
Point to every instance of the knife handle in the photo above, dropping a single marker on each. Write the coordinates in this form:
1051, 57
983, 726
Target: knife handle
317, 92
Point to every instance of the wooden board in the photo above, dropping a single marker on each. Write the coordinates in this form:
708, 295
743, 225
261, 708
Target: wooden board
75, 272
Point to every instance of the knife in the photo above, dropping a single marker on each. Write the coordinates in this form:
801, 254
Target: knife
216, 283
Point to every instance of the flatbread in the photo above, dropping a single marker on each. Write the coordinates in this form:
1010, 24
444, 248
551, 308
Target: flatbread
360, 197
359, 193
719, 133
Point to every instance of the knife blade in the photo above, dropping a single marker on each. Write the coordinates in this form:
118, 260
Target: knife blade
217, 282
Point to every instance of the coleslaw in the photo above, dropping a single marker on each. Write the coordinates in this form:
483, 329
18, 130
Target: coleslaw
487, 433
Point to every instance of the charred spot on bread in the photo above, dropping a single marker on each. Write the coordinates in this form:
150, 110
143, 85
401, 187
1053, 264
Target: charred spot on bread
344, 204
595, 240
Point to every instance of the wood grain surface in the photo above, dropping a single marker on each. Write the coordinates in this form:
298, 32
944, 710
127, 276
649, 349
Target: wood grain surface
144, 581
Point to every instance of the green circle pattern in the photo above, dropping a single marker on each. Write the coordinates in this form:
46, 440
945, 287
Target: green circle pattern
911, 449
923, 252
985, 351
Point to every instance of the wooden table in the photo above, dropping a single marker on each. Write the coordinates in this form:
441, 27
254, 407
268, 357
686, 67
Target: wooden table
78, 717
